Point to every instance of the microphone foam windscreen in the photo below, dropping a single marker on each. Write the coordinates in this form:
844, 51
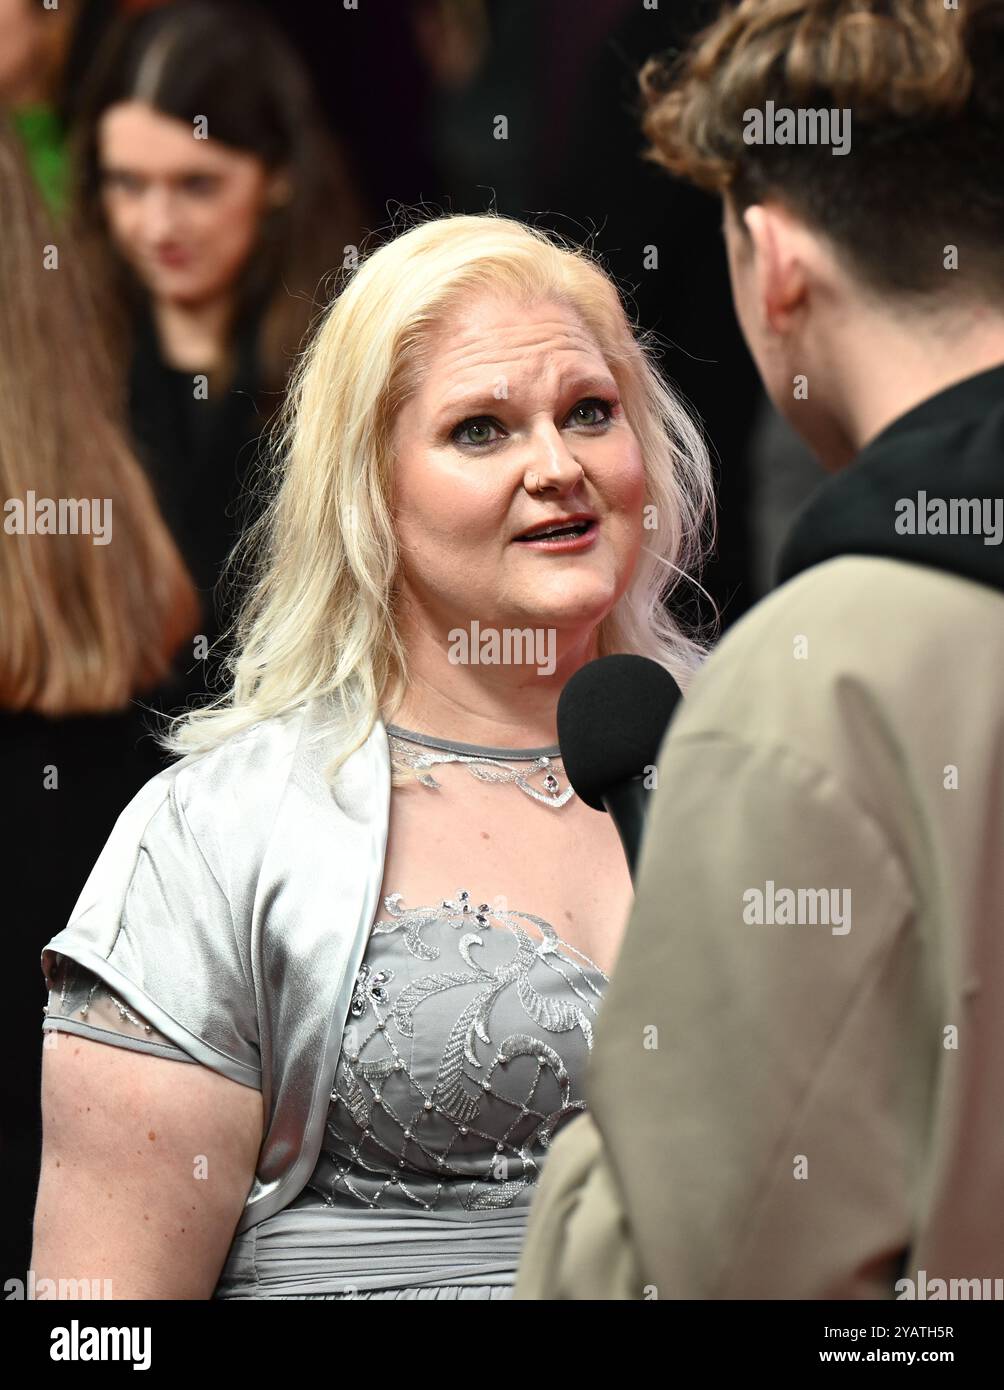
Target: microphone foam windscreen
612, 718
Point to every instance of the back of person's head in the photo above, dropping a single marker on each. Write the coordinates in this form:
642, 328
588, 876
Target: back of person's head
94, 600
223, 70
922, 172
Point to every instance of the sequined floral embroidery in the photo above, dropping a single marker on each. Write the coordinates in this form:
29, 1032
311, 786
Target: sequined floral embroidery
370, 987
404, 1124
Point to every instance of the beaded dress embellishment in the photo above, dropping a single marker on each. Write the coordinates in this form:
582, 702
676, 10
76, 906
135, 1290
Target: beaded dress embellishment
99, 988
477, 1122
487, 765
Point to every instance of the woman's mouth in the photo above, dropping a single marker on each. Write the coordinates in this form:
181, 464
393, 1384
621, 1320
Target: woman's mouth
561, 536
172, 256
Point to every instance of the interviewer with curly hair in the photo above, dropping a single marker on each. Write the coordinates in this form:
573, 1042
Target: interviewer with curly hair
795, 1091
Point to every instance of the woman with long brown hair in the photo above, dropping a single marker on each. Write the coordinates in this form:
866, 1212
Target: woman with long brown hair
94, 602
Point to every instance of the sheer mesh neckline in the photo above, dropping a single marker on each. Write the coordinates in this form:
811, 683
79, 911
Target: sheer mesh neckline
451, 746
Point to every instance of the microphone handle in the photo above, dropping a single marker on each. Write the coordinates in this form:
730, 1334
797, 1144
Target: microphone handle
628, 802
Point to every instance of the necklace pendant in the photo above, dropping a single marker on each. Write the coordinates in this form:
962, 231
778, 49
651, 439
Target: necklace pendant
550, 798
488, 766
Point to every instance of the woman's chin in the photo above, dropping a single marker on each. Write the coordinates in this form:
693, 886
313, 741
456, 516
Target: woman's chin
565, 612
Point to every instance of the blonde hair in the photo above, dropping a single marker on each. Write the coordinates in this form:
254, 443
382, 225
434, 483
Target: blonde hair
319, 618
83, 627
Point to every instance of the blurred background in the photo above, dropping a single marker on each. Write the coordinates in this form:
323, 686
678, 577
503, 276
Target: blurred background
325, 120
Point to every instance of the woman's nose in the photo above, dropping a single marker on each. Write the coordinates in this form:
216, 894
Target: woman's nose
552, 462
159, 215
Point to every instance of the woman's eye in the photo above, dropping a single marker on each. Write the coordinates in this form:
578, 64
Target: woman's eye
122, 181
477, 432
600, 410
200, 184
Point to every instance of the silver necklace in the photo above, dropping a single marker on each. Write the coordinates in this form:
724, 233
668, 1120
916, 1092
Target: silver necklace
486, 764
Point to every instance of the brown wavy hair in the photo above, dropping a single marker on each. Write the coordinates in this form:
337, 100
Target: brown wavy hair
925, 90
83, 627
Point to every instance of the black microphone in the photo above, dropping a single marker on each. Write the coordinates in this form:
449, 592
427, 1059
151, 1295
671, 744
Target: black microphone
612, 717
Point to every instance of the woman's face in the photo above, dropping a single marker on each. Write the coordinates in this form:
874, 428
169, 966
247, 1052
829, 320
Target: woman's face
512, 391
183, 212
22, 39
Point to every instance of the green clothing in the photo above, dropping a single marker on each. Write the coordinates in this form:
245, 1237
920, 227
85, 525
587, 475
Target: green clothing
40, 131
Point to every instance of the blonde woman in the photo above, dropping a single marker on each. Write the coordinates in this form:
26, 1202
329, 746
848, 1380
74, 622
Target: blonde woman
365, 903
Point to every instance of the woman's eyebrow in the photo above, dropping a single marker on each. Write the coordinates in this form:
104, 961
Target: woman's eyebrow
487, 399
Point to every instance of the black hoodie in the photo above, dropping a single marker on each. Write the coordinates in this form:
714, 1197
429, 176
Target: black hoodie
948, 448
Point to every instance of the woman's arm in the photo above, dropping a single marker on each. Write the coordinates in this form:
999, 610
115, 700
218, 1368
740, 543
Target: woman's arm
146, 1165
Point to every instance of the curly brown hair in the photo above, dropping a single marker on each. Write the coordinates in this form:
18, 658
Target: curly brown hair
925, 89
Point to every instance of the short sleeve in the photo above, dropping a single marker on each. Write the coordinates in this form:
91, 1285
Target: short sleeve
80, 1003
155, 927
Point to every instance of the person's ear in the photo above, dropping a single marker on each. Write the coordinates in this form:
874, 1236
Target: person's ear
779, 265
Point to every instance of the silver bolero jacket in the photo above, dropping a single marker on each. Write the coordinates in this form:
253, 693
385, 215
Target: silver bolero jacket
231, 905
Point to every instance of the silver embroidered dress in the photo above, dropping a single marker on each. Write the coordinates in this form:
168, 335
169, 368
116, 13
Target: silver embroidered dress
464, 1051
